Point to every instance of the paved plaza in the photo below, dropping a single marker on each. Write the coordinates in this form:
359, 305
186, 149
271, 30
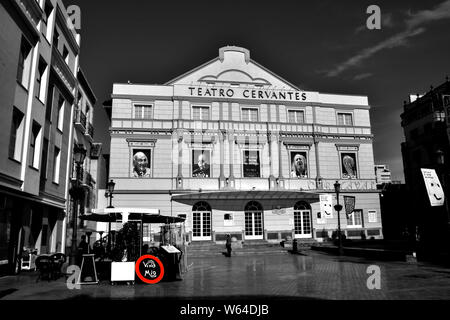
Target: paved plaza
313, 275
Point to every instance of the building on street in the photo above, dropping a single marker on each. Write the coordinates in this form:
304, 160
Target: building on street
40, 77
383, 174
236, 149
425, 122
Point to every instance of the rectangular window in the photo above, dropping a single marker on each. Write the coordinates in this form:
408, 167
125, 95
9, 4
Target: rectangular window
48, 8
299, 164
200, 113
24, 67
65, 54
250, 114
44, 160
49, 105
41, 75
349, 165
345, 119
228, 219
141, 163
355, 219
56, 164
142, 111
55, 39
201, 163
252, 164
61, 104
296, 116
16, 136
35, 145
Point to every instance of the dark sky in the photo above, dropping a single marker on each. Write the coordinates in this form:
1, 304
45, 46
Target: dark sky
317, 45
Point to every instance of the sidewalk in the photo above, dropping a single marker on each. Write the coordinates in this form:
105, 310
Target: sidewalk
312, 275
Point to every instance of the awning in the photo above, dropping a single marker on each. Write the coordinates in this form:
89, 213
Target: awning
144, 214
132, 217
248, 195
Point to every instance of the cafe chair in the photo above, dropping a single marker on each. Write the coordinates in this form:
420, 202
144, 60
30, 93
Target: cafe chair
58, 260
44, 265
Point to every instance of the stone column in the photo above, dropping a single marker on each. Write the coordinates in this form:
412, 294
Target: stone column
231, 140
179, 182
222, 183
280, 162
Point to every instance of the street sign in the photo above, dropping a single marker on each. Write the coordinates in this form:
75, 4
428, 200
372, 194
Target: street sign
434, 187
326, 206
149, 269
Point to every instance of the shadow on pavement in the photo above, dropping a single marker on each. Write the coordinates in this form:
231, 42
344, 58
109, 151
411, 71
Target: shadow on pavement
4, 293
233, 297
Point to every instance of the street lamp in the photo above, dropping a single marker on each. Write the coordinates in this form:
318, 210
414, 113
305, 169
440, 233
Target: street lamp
338, 208
76, 192
109, 194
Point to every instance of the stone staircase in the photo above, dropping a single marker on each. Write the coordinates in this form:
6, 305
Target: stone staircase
249, 247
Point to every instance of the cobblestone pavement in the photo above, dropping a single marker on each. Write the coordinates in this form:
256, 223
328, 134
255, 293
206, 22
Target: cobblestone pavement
311, 276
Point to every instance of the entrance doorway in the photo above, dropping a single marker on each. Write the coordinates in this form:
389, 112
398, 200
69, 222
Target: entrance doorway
254, 221
302, 220
201, 222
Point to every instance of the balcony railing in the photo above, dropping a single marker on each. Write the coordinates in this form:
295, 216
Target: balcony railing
90, 130
81, 119
241, 126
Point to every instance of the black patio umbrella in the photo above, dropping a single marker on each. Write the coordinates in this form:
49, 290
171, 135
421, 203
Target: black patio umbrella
146, 218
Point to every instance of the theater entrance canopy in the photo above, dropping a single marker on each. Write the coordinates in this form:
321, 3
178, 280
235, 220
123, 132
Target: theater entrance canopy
253, 195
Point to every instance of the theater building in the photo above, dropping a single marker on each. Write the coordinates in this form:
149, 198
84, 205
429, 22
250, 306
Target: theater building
238, 150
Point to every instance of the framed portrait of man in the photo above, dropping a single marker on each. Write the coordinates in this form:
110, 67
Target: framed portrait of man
141, 163
201, 163
299, 164
349, 166
252, 164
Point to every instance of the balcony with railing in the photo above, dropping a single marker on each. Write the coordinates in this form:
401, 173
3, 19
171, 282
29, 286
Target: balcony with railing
90, 131
80, 120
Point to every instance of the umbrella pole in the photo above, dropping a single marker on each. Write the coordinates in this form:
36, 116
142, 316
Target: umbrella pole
109, 239
142, 236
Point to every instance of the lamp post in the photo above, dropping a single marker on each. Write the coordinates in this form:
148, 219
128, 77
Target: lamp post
76, 192
109, 194
338, 208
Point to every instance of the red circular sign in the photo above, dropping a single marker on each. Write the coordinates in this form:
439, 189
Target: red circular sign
149, 266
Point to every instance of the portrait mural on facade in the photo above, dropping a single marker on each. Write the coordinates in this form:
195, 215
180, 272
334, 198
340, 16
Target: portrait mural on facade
252, 164
348, 165
201, 160
299, 164
141, 163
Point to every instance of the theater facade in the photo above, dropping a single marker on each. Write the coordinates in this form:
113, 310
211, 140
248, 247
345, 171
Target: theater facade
236, 149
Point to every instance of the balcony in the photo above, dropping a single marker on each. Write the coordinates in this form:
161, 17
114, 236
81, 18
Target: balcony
90, 132
63, 71
211, 125
80, 121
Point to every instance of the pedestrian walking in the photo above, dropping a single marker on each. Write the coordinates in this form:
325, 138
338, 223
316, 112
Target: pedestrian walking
228, 245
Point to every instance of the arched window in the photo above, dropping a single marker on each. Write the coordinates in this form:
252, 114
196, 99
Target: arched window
302, 205
253, 220
201, 206
201, 221
302, 220
253, 206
